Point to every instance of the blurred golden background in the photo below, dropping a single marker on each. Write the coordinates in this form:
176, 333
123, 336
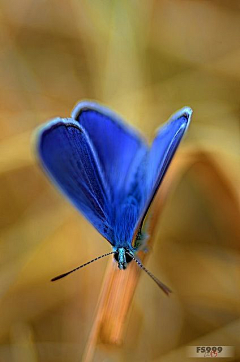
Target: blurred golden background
145, 59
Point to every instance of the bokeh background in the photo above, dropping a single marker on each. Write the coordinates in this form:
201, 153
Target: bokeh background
145, 59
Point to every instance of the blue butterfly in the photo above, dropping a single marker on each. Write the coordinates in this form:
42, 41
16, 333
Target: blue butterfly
109, 173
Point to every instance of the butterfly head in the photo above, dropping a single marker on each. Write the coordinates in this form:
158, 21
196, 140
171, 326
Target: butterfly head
123, 257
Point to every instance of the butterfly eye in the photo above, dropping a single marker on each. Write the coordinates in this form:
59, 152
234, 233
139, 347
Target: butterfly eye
128, 258
116, 256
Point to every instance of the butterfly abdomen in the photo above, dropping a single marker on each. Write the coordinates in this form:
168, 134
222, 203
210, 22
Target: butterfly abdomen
125, 225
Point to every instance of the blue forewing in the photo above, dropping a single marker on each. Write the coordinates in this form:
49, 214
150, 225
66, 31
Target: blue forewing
70, 160
105, 167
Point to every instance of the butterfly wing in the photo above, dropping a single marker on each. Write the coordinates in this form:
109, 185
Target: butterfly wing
119, 147
68, 156
160, 155
164, 147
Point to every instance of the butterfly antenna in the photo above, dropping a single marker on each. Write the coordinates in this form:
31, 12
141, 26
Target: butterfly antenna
164, 288
81, 266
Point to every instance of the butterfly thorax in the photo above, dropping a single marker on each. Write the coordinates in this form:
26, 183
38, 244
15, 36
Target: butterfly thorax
123, 257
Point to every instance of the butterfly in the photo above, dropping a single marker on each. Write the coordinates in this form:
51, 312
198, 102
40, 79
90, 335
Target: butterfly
109, 173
